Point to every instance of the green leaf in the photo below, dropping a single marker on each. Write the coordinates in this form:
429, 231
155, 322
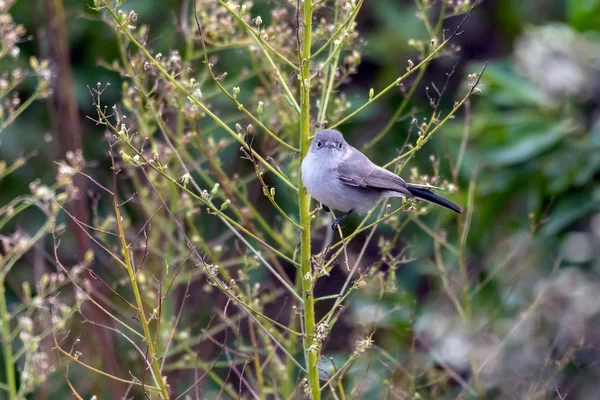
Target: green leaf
510, 89
584, 14
588, 170
569, 209
526, 148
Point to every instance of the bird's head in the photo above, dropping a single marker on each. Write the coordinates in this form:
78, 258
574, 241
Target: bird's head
328, 140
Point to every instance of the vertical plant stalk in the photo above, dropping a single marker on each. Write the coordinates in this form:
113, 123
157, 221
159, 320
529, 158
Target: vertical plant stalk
311, 347
138, 301
9, 368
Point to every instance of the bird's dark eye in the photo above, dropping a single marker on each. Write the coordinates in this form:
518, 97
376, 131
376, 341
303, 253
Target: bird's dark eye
318, 144
341, 145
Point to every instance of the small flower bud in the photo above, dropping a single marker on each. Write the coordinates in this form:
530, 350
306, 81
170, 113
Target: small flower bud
225, 205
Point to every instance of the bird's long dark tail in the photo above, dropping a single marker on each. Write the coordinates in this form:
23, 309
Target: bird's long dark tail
429, 196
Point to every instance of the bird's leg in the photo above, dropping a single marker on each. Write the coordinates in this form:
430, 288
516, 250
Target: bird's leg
325, 208
338, 220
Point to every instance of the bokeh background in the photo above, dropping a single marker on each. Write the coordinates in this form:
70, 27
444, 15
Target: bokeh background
532, 158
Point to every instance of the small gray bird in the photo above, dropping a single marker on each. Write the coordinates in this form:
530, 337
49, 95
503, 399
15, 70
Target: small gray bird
342, 178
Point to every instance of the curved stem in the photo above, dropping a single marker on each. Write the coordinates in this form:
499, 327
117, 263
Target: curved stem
98, 371
425, 139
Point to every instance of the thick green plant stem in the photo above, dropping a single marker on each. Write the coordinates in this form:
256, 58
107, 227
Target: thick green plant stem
9, 367
311, 346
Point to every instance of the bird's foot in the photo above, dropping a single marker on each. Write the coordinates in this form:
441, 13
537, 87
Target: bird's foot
335, 224
339, 220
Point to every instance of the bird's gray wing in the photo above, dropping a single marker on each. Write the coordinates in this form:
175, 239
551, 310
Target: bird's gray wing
358, 170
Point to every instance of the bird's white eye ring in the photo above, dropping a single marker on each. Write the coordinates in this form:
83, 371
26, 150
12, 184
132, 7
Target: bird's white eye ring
318, 144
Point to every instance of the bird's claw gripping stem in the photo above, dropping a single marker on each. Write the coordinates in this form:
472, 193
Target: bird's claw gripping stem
338, 220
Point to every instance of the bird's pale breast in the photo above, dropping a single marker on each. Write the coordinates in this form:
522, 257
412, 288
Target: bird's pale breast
321, 182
